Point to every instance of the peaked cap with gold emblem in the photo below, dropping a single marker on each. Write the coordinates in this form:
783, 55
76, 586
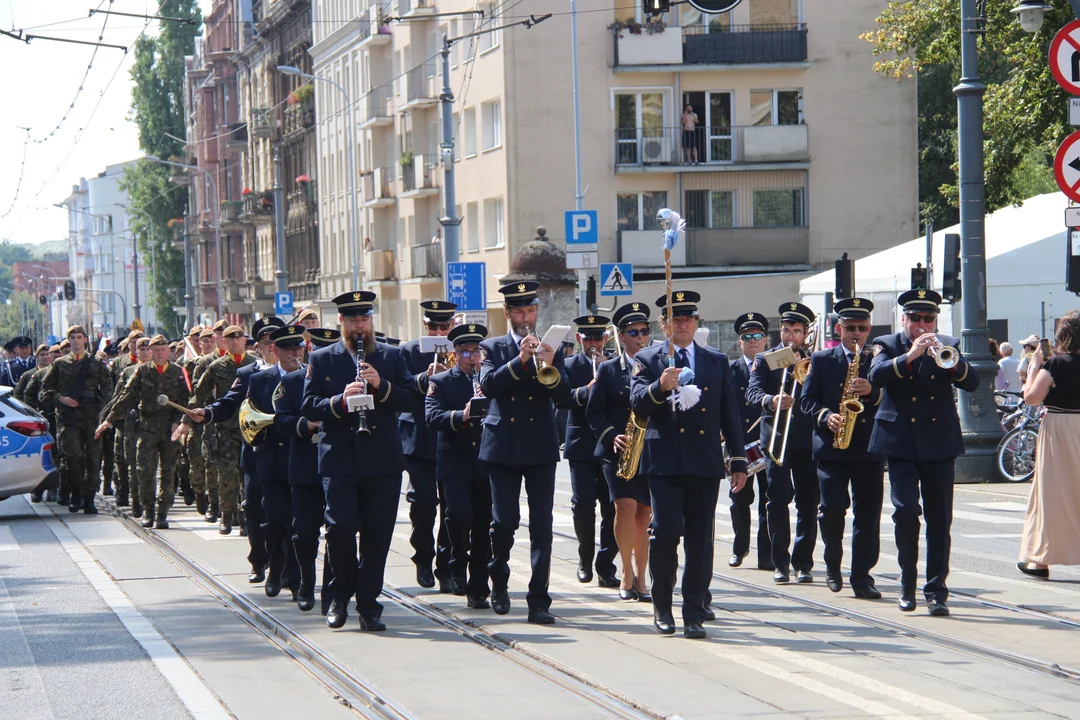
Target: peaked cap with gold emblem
520, 294
266, 325
355, 303
591, 323
323, 337
796, 312
438, 310
751, 321
467, 334
683, 302
631, 313
288, 336
853, 308
919, 301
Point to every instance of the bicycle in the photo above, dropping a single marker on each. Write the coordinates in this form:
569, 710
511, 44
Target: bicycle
1016, 451
1010, 408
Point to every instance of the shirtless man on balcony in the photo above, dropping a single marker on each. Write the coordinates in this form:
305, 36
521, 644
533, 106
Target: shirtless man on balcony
689, 135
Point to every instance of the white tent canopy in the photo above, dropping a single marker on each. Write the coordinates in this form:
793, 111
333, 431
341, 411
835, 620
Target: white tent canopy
1025, 267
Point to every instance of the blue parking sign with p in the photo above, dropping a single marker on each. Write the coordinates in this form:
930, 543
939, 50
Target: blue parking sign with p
581, 228
283, 303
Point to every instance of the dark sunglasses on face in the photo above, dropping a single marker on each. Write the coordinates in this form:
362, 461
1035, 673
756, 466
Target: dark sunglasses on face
750, 337
470, 353
438, 325
643, 332
920, 318
856, 328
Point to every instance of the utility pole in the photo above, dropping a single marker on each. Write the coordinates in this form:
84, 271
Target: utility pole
579, 195
450, 221
189, 278
135, 273
280, 273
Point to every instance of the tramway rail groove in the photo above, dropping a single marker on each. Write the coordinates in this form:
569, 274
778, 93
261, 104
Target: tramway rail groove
355, 692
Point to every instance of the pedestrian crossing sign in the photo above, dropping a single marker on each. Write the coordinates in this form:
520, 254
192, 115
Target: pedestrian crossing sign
616, 279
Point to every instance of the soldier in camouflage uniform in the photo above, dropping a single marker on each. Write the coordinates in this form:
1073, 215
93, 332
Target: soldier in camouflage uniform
221, 441
44, 359
157, 424
80, 386
33, 399
126, 431
204, 476
183, 465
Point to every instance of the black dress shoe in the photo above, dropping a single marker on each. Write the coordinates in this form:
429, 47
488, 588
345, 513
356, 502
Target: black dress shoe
736, 560
541, 617
630, 594
446, 586
75, 503
372, 624
458, 586
664, 624
782, 575
765, 565
867, 592
608, 581
89, 508
1033, 572
273, 586
803, 576
305, 599
500, 602
937, 608
644, 596
709, 614
336, 615
257, 576
425, 578
906, 603
694, 631
477, 603
834, 580
584, 573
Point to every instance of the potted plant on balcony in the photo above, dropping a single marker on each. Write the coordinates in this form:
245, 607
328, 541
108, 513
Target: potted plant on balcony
302, 96
307, 186
266, 201
406, 159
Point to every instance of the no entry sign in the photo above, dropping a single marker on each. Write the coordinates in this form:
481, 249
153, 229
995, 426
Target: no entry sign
1065, 57
1067, 167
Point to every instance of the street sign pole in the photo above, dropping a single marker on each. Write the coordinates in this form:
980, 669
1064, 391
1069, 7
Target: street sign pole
579, 196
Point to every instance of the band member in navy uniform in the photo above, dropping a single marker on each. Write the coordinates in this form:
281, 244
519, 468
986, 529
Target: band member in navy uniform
838, 468
586, 470
752, 329
361, 471
272, 465
418, 444
608, 413
305, 486
684, 460
798, 475
521, 443
918, 431
455, 412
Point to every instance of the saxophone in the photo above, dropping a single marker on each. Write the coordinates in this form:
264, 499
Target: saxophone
850, 405
630, 457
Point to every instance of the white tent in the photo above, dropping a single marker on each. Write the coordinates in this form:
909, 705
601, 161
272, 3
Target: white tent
1025, 266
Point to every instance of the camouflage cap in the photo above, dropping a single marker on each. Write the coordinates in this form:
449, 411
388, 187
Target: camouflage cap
142, 342
158, 340
233, 331
194, 332
221, 325
206, 333
75, 329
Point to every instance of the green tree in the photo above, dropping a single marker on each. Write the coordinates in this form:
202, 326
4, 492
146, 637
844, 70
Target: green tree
1025, 109
157, 106
9, 255
20, 313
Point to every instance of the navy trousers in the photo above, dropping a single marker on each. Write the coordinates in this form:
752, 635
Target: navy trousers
353, 503
682, 506
506, 517
866, 482
741, 502
795, 479
934, 481
589, 487
254, 520
308, 508
277, 532
426, 503
468, 525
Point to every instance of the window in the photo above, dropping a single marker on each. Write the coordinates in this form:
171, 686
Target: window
774, 12
710, 208
472, 226
470, 132
637, 211
639, 117
489, 41
775, 107
492, 119
778, 208
494, 228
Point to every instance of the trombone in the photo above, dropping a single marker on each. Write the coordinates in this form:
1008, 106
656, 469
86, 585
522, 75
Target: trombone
799, 371
944, 355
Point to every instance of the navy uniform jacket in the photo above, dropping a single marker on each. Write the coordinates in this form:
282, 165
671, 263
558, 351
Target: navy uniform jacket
458, 444
520, 425
740, 373
6, 373
687, 442
343, 453
580, 445
17, 366
821, 398
764, 385
225, 407
271, 446
290, 423
608, 411
416, 439
917, 417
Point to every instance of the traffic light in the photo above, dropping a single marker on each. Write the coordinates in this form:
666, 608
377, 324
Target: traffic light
590, 293
950, 276
69, 289
657, 7
845, 277
918, 277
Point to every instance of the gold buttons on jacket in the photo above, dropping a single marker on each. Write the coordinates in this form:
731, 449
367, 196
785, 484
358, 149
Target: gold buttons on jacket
700, 432
515, 420
682, 430
912, 419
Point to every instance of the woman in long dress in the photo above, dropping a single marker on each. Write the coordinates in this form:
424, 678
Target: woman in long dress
1052, 525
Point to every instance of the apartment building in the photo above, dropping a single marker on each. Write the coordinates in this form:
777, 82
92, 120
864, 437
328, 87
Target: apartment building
797, 151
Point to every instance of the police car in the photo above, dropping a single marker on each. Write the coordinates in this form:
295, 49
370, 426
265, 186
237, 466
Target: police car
26, 449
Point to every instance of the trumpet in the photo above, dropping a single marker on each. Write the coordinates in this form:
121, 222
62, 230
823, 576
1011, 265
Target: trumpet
946, 357
798, 372
548, 375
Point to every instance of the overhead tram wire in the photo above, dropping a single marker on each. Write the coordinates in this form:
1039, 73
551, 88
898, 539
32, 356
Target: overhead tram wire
22, 173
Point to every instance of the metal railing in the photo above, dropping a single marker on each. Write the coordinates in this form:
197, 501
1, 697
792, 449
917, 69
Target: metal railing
421, 83
238, 136
427, 260
406, 6
380, 103
744, 44
377, 184
420, 174
719, 145
262, 122
231, 211
748, 246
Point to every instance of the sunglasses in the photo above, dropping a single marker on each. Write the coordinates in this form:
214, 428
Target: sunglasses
920, 318
643, 332
470, 353
439, 325
856, 328
749, 337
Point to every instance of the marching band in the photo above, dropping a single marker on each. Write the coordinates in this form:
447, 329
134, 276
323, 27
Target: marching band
321, 424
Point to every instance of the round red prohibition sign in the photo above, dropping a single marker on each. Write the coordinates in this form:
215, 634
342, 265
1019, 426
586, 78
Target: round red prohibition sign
1064, 57
1067, 167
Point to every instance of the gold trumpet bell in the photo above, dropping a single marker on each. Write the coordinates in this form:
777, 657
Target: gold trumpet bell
801, 370
547, 374
253, 421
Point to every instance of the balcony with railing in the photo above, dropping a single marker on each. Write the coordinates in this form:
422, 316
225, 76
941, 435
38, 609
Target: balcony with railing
715, 44
377, 188
232, 212
421, 87
262, 122
259, 205
427, 260
373, 29
709, 148
413, 8
419, 176
380, 107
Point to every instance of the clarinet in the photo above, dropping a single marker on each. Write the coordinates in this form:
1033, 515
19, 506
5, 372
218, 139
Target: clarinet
361, 414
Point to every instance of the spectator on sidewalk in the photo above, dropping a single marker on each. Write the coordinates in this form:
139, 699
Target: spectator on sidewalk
1009, 373
1030, 343
1052, 524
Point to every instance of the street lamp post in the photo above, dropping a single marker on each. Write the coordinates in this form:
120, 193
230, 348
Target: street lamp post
357, 260
135, 252
217, 224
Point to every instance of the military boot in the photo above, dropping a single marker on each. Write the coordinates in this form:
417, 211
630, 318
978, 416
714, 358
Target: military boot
89, 508
136, 508
107, 489
122, 499
201, 503
162, 523
242, 523
213, 513
148, 516
75, 502
189, 496
225, 526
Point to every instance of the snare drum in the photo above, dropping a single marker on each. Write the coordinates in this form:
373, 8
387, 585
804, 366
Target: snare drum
755, 458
